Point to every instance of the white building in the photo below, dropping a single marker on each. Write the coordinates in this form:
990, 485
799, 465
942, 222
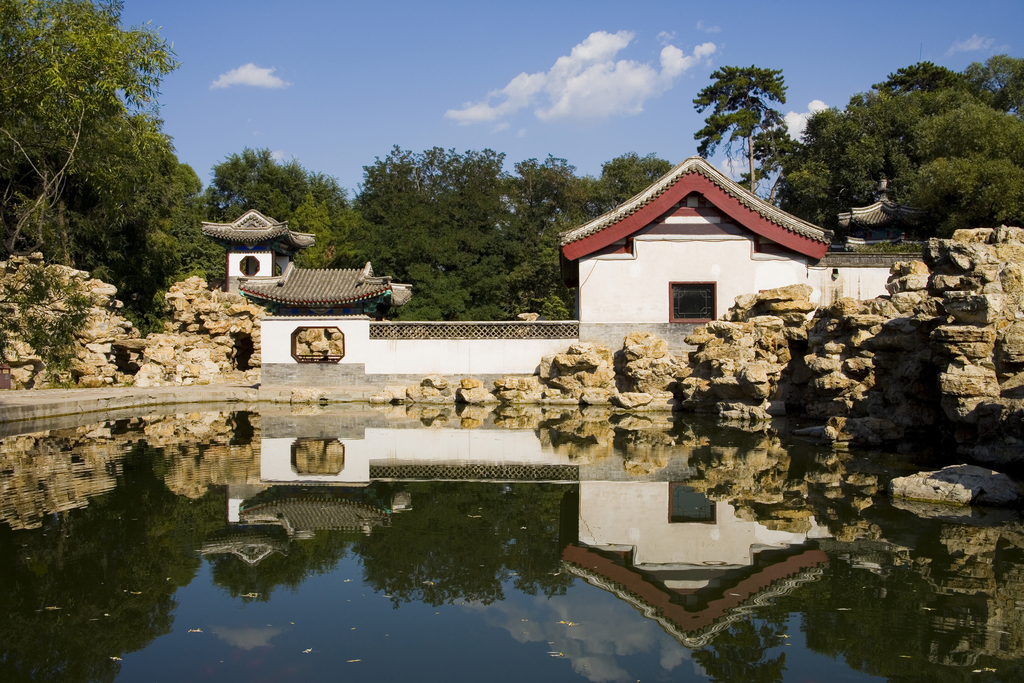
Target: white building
678, 254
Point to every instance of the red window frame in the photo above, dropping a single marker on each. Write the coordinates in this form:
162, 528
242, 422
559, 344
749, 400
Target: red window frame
671, 302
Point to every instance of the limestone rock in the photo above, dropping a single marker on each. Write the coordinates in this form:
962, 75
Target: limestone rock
958, 485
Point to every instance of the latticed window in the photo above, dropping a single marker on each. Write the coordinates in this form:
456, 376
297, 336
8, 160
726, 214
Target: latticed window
692, 301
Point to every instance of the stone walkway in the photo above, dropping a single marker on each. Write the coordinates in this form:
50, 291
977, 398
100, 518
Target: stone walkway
36, 404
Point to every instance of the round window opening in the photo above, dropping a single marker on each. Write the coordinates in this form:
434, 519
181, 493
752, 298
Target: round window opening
250, 266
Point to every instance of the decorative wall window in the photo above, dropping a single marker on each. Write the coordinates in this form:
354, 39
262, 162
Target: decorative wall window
322, 457
318, 344
249, 266
687, 505
691, 301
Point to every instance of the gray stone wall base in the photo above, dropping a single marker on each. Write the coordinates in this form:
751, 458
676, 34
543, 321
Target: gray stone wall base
350, 377
612, 334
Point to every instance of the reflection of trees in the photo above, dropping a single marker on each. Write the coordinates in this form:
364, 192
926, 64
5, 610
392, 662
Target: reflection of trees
462, 540
111, 568
305, 557
740, 655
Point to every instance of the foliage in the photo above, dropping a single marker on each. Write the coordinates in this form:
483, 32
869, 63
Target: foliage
625, 176
464, 540
310, 202
45, 308
438, 220
111, 568
920, 77
70, 75
741, 98
999, 82
945, 142
741, 654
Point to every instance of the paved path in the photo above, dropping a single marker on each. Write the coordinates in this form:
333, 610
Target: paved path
36, 404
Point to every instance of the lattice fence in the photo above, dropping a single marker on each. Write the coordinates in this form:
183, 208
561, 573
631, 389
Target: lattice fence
546, 329
476, 472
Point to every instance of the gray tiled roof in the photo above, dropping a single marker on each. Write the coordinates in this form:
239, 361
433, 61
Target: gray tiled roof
253, 227
324, 287
730, 187
880, 214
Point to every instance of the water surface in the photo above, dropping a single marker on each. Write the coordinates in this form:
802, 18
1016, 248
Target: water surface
441, 545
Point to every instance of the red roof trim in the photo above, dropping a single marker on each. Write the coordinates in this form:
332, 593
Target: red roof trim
720, 199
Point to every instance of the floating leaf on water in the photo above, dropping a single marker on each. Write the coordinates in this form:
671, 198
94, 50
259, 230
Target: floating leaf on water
981, 670
473, 516
347, 581
354, 660
842, 609
116, 659
428, 583
307, 651
569, 623
195, 630
57, 608
556, 654
136, 592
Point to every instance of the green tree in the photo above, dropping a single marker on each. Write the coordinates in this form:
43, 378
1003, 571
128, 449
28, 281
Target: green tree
45, 308
1000, 82
938, 139
68, 73
972, 171
627, 175
920, 77
741, 101
439, 220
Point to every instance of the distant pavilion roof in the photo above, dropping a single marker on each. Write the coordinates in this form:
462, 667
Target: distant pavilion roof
309, 287
252, 228
882, 213
696, 174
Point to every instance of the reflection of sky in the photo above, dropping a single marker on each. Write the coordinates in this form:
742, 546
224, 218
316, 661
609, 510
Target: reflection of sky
246, 638
596, 644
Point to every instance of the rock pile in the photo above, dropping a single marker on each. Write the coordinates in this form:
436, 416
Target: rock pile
107, 345
944, 353
213, 337
738, 365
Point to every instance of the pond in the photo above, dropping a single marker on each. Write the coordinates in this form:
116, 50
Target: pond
400, 543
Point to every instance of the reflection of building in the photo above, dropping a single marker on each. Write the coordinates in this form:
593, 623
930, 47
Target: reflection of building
682, 559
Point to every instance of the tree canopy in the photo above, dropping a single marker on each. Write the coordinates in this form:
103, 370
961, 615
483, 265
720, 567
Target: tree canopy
741, 100
948, 143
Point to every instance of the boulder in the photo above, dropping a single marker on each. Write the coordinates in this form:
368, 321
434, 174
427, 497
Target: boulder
958, 485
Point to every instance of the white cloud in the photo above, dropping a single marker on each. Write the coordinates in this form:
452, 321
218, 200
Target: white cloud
972, 44
246, 638
277, 155
701, 26
666, 37
521, 133
797, 121
588, 83
249, 74
501, 126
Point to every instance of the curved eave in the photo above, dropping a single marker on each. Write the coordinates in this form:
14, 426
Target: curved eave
313, 302
647, 207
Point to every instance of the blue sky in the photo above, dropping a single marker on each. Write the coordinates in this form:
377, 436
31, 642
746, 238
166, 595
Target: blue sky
337, 84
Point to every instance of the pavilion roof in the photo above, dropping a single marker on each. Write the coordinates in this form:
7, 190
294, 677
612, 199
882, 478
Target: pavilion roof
880, 214
696, 174
310, 287
252, 228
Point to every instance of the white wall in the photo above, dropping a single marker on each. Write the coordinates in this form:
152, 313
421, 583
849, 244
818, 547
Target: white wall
637, 514
628, 288
414, 356
265, 258
634, 288
850, 283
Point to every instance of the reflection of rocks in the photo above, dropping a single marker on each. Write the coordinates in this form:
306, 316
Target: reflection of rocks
60, 470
